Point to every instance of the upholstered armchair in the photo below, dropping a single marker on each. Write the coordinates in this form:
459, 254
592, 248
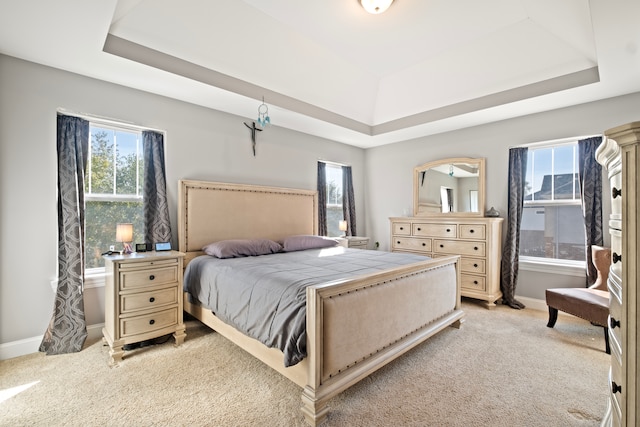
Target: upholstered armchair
590, 303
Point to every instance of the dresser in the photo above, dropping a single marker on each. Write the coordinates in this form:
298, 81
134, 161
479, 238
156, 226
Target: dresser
620, 155
143, 299
477, 240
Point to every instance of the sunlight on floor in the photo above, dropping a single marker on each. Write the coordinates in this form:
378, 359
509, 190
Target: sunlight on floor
10, 392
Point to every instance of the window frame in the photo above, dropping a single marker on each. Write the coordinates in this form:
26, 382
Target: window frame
554, 265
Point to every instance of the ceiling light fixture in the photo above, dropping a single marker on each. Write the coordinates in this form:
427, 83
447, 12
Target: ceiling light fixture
376, 6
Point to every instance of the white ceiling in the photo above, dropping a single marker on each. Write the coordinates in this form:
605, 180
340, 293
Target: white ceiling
330, 69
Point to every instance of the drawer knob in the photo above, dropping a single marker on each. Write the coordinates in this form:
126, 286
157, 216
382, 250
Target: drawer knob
616, 192
614, 323
475, 282
398, 242
615, 388
475, 248
442, 246
475, 265
419, 229
448, 230
152, 299
401, 228
472, 231
424, 244
616, 257
151, 322
152, 277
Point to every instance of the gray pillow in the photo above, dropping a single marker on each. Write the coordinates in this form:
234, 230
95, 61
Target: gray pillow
302, 242
242, 247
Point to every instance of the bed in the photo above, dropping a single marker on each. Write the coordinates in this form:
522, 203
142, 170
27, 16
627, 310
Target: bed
425, 294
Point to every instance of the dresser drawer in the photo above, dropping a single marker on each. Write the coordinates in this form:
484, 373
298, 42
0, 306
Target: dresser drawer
435, 230
148, 322
472, 265
469, 281
402, 228
412, 243
615, 380
148, 300
615, 311
459, 247
616, 202
473, 231
616, 251
131, 279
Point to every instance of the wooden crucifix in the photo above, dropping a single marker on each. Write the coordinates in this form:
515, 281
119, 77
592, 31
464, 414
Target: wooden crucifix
253, 129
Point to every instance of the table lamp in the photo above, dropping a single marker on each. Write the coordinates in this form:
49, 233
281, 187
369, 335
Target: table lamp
342, 226
124, 235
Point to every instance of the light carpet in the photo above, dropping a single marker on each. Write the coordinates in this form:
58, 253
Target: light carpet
504, 367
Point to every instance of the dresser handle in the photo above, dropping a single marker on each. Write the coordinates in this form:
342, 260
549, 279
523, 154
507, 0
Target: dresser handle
616, 257
475, 265
424, 244
398, 242
152, 277
614, 323
151, 322
419, 229
475, 248
401, 228
615, 388
615, 192
152, 299
472, 231
442, 246
448, 230
475, 282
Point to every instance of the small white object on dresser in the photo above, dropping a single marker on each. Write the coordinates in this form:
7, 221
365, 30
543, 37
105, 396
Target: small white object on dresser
477, 240
143, 299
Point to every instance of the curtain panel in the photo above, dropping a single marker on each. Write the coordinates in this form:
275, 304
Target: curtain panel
590, 178
348, 201
511, 250
322, 199
157, 225
67, 330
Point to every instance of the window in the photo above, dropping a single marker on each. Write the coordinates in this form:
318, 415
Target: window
552, 224
334, 199
113, 189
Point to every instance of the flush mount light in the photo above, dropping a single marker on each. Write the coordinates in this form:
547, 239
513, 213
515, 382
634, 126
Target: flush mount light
376, 6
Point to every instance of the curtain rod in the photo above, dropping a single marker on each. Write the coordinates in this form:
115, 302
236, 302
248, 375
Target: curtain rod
107, 120
332, 163
554, 141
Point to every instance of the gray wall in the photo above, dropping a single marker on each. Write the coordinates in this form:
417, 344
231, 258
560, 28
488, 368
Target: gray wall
389, 171
200, 144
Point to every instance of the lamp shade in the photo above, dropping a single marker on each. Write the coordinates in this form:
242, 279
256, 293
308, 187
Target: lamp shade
376, 6
342, 226
124, 233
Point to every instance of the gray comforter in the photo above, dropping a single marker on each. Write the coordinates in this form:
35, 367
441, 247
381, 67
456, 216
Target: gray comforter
264, 296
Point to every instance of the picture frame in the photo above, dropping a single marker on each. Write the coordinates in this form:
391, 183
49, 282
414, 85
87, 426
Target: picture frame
163, 246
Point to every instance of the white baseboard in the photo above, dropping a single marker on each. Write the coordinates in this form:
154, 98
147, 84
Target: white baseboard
30, 345
533, 303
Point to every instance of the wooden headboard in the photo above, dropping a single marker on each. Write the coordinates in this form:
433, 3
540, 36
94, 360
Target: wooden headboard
213, 211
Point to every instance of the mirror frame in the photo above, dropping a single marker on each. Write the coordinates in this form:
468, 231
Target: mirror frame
480, 162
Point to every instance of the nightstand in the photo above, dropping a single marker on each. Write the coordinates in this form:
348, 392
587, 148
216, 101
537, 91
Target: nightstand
357, 242
143, 299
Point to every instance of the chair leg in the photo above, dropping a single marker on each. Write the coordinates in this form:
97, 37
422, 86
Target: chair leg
553, 317
607, 349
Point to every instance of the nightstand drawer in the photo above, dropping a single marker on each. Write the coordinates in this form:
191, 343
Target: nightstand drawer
476, 231
469, 281
472, 265
149, 322
413, 244
148, 300
435, 230
459, 248
148, 277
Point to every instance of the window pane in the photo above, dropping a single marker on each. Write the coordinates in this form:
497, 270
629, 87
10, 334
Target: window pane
127, 163
553, 232
102, 162
541, 174
100, 228
565, 181
334, 199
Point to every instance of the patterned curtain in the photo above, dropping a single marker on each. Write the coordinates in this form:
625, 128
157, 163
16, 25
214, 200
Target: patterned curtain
590, 177
511, 250
348, 201
67, 330
157, 226
322, 199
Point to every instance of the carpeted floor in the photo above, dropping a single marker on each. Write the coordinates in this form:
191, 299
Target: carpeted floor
504, 367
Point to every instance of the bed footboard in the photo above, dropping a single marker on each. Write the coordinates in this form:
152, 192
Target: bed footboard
357, 326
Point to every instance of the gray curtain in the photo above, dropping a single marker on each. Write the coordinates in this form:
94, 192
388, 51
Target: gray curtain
67, 329
590, 177
157, 226
511, 250
348, 201
322, 200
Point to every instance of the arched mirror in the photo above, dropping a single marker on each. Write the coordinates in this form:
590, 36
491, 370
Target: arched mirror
449, 187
